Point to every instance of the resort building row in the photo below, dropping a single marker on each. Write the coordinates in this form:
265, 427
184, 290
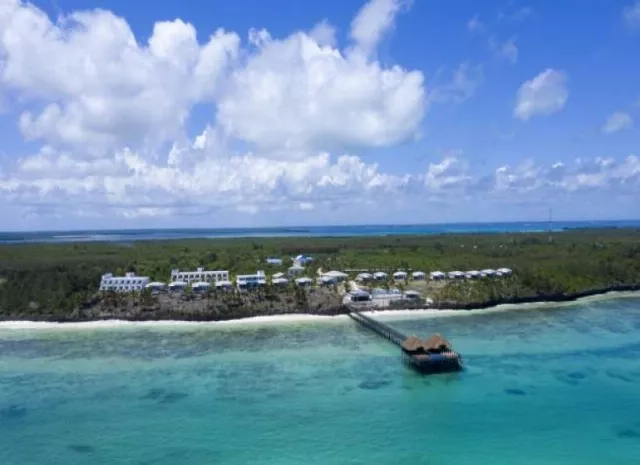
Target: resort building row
202, 280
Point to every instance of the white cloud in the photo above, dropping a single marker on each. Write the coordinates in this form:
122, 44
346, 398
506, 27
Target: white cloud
617, 121
451, 172
507, 50
98, 87
127, 182
373, 20
581, 175
324, 34
462, 85
287, 115
545, 94
517, 15
475, 25
631, 14
295, 93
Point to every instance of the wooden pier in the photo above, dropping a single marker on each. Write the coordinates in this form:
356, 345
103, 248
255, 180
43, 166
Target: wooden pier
433, 355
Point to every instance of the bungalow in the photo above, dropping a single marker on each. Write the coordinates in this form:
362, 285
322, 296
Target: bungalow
437, 275
156, 287
489, 272
177, 286
358, 295
274, 261
418, 275
326, 280
505, 271
245, 281
295, 270
380, 275
400, 275
304, 281
201, 286
363, 277
224, 285
337, 275
455, 274
280, 281
473, 274
302, 260
412, 295
386, 294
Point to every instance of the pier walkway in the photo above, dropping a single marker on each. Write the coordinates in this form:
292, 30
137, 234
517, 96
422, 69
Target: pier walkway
433, 355
379, 328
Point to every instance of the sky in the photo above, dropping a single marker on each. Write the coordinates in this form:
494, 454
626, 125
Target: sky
282, 112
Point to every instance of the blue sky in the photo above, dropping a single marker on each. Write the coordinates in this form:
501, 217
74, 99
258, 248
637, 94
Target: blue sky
316, 113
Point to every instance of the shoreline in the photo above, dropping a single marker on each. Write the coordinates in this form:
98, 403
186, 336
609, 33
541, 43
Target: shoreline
387, 314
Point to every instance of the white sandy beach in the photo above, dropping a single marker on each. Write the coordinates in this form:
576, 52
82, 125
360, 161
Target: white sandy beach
305, 318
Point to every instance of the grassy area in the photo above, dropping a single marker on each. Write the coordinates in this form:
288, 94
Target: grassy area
58, 278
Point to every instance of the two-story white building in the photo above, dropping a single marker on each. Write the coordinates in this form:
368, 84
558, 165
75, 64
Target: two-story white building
127, 283
200, 275
251, 280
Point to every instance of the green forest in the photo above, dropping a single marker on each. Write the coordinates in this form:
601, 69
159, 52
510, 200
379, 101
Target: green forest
58, 278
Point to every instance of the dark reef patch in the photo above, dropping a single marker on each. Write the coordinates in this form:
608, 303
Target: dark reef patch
618, 376
81, 448
576, 375
373, 385
163, 396
627, 433
13, 412
172, 397
154, 394
515, 392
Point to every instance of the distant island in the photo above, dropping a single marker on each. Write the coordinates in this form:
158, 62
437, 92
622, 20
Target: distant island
60, 282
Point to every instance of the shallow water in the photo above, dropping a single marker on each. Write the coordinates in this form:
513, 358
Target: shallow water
542, 386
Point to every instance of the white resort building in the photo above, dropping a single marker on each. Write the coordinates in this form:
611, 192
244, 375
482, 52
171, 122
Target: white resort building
295, 270
127, 283
304, 281
418, 275
156, 286
400, 275
337, 276
200, 275
437, 275
251, 280
380, 275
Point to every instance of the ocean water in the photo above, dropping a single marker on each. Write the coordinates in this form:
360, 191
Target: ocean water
123, 235
542, 386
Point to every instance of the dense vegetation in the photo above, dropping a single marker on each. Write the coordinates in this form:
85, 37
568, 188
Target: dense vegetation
56, 279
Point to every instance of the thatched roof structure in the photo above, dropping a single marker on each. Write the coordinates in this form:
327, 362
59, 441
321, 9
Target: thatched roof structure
436, 343
412, 344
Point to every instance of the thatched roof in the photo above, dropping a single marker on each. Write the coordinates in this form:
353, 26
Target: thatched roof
436, 342
411, 344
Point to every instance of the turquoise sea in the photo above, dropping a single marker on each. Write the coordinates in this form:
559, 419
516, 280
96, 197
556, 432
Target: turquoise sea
544, 385
132, 235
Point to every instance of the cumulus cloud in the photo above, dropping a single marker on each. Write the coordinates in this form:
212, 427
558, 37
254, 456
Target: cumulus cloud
507, 50
460, 86
475, 25
617, 121
631, 14
295, 93
288, 115
545, 94
374, 20
96, 87
579, 175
